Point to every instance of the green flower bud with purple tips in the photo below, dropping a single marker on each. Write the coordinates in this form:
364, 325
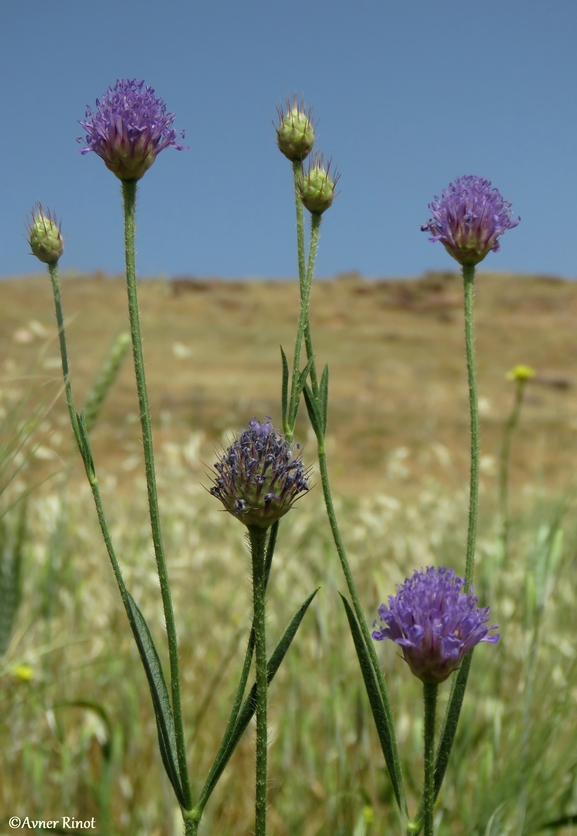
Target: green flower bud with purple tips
129, 129
295, 135
258, 478
434, 622
45, 236
317, 187
468, 219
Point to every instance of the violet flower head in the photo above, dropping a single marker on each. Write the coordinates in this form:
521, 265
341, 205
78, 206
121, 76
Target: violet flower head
258, 478
434, 622
129, 129
468, 219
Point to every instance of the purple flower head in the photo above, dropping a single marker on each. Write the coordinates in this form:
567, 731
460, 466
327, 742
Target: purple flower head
258, 479
468, 218
434, 622
129, 128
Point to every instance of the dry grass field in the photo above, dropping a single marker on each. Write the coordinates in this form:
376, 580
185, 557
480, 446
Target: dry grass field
78, 732
395, 349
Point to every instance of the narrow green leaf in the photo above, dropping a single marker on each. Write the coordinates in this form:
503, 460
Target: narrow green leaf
312, 409
159, 693
249, 706
285, 386
375, 699
451, 721
324, 396
304, 374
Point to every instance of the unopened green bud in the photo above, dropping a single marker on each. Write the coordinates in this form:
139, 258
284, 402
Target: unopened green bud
45, 236
295, 134
317, 187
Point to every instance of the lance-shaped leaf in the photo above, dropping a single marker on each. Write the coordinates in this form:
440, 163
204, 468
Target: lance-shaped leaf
285, 388
377, 705
315, 416
159, 693
323, 399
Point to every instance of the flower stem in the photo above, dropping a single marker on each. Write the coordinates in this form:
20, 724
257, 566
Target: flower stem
306, 279
129, 196
305, 282
258, 538
395, 765
512, 422
430, 699
468, 283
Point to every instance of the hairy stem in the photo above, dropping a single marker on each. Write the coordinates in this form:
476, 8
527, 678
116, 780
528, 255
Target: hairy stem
430, 699
395, 767
129, 195
306, 272
468, 283
257, 537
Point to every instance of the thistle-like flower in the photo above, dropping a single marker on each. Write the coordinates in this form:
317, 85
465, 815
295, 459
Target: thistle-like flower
295, 135
45, 236
434, 622
468, 219
258, 478
129, 129
317, 187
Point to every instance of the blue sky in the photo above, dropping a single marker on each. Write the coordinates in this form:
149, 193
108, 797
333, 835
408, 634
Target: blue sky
408, 95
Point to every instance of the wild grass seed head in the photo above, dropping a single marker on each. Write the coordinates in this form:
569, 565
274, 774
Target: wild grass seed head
469, 218
45, 235
258, 478
434, 622
129, 128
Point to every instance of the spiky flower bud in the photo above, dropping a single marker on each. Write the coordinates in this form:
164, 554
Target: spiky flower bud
45, 236
317, 187
258, 478
521, 373
295, 134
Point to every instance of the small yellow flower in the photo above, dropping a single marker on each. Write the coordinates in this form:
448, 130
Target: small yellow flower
24, 673
369, 814
522, 373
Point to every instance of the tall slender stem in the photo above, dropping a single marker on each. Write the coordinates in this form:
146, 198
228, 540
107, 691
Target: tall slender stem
430, 699
258, 537
129, 195
395, 766
303, 326
468, 283
53, 271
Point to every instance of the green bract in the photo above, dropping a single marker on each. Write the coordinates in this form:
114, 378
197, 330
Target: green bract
317, 188
45, 237
295, 134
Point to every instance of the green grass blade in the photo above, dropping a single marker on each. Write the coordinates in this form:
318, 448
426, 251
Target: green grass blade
105, 380
11, 547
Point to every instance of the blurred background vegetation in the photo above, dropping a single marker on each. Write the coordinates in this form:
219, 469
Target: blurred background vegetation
77, 733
